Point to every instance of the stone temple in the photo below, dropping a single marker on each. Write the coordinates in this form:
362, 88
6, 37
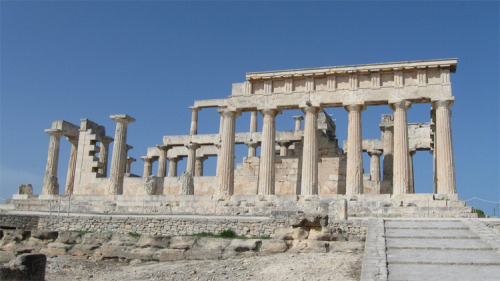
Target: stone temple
304, 170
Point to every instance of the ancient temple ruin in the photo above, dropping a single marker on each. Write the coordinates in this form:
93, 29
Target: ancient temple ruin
298, 170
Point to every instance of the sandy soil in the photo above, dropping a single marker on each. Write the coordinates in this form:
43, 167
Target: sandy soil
287, 266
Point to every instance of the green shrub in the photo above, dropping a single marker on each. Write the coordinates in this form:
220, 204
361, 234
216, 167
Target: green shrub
479, 212
228, 233
135, 235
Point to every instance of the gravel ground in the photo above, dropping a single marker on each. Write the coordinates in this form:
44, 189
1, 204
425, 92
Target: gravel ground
287, 266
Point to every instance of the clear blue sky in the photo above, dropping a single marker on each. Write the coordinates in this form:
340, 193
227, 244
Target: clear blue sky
151, 60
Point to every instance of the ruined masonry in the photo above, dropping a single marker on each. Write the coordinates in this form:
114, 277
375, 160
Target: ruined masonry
301, 170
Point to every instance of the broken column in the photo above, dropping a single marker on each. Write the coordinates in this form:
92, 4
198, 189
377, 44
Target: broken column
118, 160
50, 184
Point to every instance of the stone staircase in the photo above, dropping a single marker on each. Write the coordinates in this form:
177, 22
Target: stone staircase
441, 250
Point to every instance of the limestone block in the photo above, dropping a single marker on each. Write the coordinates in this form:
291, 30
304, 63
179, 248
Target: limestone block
83, 250
324, 234
309, 220
25, 189
56, 249
112, 250
123, 239
288, 233
245, 247
44, 235
207, 248
309, 246
68, 237
96, 238
169, 255
182, 242
25, 267
150, 185
153, 241
273, 246
342, 246
141, 253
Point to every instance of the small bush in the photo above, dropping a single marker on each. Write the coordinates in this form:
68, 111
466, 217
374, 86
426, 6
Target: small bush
135, 235
479, 212
228, 233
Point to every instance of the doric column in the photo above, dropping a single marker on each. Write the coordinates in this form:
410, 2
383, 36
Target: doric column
130, 160
354, 177
104, 155
225, 160
401, 177
309, 185
253, 121
198, 167
162, 160
70, 178
375, 164
172, 166
411, 173
267, 153
148, 165
284, 147
118, 160
50, 184
387, 128
298, 120
252, 148
445, 162
194, 120
191, 157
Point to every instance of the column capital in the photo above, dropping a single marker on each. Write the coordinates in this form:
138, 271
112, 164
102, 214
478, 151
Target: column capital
131, 159
122, 118
252, 144
128, 147
73, 140
148, 159
164, 147
375, 152
201, 158
400, 104
270, 112
355, 107
174, 159
192, 145
298, 117
442, 103
311, 109
412, 152
194, 108
285, 143
106, 140
387, 122
54, 132
226, 112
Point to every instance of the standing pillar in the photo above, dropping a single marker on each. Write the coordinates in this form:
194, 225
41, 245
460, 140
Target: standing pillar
309, 184
129, 164
284, 147
445, 162
253, 121
194, 120
252, 148
354, 177
225, 160
411, 173
198, 169
70, 178
375, 164
298, 120
118, 160
50, 184
401, 177
191, 157
148, 165
104, 155
387, 128
162, 160
267, 153
172, 166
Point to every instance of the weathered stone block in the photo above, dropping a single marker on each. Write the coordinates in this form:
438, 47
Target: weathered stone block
182, 242
25, 267
273, 246
309, 220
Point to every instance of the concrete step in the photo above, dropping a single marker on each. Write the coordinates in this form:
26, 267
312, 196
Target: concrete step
430, 272
444, 257
420, 224
437, 243
429, 233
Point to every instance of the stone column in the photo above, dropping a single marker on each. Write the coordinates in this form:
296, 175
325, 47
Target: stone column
118, 160
401, 177
103, 155
225, 160
194, 120
298, 120
387, 128
284, 147
253, 121
162, 160
445, 162
309, 184
191, 160
129, 164
411, 173
70, 178
50, 184
267, 153
252, 148
198, 167
375, 164
354, 177
172, 166
148, 165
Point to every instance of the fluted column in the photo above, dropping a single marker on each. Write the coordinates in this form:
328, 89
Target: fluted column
104, 155
198, 169
194, 120
267, 153
375, 164
70, 177
445, 162
172, 166
130, 160
162, 160
50, 184
298, 120
401, 177
225, 160
191, 160
118, 160
253, 121
252, 148
411, 173
354, 177
387, 128
309, 184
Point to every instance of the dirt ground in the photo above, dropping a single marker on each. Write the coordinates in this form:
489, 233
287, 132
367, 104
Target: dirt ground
286, 266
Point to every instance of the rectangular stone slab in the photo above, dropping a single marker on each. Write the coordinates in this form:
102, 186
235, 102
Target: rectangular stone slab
439, 243
443, 272
429, 233
425, 224
405, 256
